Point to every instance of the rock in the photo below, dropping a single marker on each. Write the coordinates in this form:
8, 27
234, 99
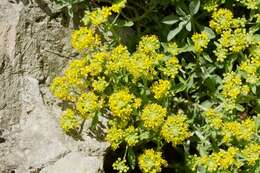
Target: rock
40, 140
77, 163
34, 48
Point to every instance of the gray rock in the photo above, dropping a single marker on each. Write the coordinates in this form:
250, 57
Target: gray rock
34, 48
77, 163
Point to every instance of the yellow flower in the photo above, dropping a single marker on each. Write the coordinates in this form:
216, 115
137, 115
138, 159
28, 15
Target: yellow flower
160, 88
240, 131
100, 84
151, 161
221, 20
131, 136
118, 6
210, 5
137, 103
250, 68
171, 68
69, 121
172, 48
66, 88
200, 41
235, 41
88, 104
120, 166
213, 118
231, 85
153, 116
251, 153
115, 136
175, 129
118, 59
120, 103
60, 89
219, 161
245, 89
84, 38
149, 44
99, 16
250, 4
221, 52
141, 65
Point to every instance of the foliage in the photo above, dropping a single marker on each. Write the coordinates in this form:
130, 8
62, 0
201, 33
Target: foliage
191, 104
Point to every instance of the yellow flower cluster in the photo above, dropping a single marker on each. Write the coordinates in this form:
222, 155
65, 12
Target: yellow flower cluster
88, 104
172, 48
251, 153
171, 68
149, 44
232, 41
118, 133
61, 89
144, 60
160, 88
250, 67
240, 131
151, 161
131, 136
175, 129
153, 116
101, 15
234, 37
219, 161
210, 5
213, 118
115, 137
118, 59
200, 41
84, 38
120, 103
250, 4
221, 20
99, 85
120, 166
231, 85
69, 86
69, 121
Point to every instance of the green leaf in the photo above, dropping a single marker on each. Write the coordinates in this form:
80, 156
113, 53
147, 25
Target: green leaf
206, 104
179, 88
170, 20
95, 121
124, 23
180, 11
211, 34
240, 108
173, 33
207, 57
188, 26
176, 31
210, 83
194, 6
131, 158
144, 135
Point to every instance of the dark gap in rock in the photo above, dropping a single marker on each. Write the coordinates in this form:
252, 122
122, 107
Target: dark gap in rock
2, 140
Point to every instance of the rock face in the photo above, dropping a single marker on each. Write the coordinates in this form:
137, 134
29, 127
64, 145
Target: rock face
35, 47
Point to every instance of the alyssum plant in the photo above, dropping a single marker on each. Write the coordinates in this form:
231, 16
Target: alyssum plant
190, 105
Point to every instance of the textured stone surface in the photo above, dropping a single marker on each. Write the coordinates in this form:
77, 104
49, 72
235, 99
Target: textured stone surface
35, 47
76, 163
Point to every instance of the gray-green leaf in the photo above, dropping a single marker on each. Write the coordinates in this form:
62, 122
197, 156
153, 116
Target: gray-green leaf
170, 20
194, 6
